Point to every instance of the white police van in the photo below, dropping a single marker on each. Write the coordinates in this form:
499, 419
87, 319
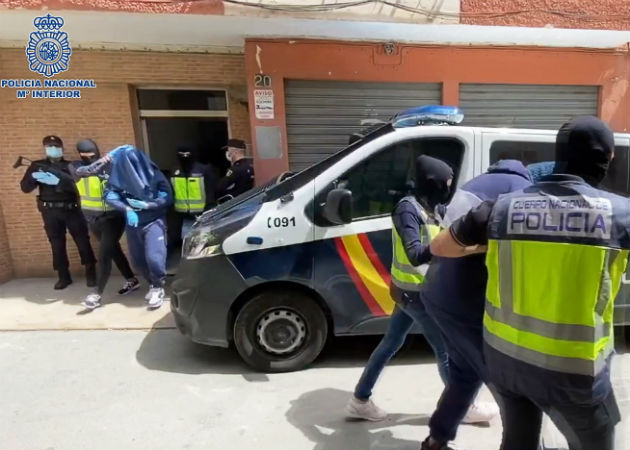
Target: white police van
280, 268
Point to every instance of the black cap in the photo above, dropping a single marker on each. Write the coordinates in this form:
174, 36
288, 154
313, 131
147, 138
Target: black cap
236, 143
52, 140
87, 146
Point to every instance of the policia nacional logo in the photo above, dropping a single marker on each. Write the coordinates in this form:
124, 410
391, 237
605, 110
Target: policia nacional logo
48, 49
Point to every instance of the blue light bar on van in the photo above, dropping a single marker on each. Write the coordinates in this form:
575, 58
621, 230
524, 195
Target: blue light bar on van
428, 115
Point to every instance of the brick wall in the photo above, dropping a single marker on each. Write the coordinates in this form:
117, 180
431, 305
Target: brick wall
602, 14
6, 265
104, 114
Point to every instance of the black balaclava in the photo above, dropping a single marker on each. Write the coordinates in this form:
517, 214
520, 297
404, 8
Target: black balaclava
88, 146
432, 176
186, 157
584, 147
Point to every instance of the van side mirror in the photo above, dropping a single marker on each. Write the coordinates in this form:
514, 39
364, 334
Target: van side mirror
338, 207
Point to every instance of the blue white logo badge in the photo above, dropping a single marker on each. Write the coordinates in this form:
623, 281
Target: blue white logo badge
48, 49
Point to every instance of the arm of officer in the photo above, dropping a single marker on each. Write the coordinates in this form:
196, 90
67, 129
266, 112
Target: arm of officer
91, 169
466, 236
66, 178
407, 224
28, 183
224, 184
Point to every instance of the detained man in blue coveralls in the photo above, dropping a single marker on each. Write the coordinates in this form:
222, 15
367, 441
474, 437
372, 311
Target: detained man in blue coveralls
138, 189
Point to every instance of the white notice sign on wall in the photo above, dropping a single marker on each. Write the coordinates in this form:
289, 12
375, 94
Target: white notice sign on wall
263, 102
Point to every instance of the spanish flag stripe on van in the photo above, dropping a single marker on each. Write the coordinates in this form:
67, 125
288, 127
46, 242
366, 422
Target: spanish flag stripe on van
369, 277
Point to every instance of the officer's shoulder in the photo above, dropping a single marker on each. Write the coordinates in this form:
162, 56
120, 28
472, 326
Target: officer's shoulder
404, 205
612, 196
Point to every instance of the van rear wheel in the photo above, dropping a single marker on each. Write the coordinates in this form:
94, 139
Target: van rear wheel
279, 331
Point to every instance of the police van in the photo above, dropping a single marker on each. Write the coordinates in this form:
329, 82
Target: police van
280, 268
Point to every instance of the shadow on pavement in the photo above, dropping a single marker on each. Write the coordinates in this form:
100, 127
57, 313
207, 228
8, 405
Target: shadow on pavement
167, 350
40, 291
319, 416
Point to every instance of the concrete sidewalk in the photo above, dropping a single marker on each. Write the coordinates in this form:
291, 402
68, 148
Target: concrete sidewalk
33, 304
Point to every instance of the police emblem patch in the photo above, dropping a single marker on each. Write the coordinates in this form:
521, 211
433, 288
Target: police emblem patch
48, 49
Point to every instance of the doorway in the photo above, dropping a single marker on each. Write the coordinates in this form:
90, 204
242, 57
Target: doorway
206, 136
174, 117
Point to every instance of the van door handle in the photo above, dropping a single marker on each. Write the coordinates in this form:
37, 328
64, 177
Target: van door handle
254, 240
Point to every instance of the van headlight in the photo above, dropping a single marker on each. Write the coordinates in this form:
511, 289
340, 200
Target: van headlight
208, 233
201, 243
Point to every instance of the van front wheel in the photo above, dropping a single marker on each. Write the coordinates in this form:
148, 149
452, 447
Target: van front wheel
280, 331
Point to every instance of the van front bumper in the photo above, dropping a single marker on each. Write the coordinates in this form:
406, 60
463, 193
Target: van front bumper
201, 296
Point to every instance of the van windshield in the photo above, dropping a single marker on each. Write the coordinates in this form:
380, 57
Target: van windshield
275, 191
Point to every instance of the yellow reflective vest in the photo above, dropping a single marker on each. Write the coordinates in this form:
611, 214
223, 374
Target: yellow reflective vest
189, 193
404, 275
92, 193
556, 256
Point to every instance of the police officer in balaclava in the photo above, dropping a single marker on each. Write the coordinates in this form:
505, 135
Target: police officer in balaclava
193, 186
107, 224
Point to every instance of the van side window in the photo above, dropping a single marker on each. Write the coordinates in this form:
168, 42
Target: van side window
526, 152
531, 152
379, 182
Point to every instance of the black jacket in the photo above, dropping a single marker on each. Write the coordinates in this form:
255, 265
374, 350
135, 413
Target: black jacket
65, 191
238, 179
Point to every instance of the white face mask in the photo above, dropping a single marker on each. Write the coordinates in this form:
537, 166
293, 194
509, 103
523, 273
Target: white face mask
227, 156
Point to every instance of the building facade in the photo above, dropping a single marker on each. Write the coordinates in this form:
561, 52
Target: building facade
294, 84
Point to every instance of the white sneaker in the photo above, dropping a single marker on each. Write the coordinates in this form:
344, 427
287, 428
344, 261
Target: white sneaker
156, 298
149, 293
481, 412
364, 410
92, 301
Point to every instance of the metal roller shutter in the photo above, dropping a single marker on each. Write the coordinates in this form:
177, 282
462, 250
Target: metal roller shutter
525, 106
321, 115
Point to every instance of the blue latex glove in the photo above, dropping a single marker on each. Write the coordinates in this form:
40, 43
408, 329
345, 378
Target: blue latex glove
132, 218
137, 204
162, 194
111, 195
541, 169
46, 178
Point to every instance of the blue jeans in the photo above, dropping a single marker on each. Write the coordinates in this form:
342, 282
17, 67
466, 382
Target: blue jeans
147, 246
401, 322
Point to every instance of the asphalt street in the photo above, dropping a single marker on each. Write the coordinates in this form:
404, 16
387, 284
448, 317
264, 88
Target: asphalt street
105, 389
